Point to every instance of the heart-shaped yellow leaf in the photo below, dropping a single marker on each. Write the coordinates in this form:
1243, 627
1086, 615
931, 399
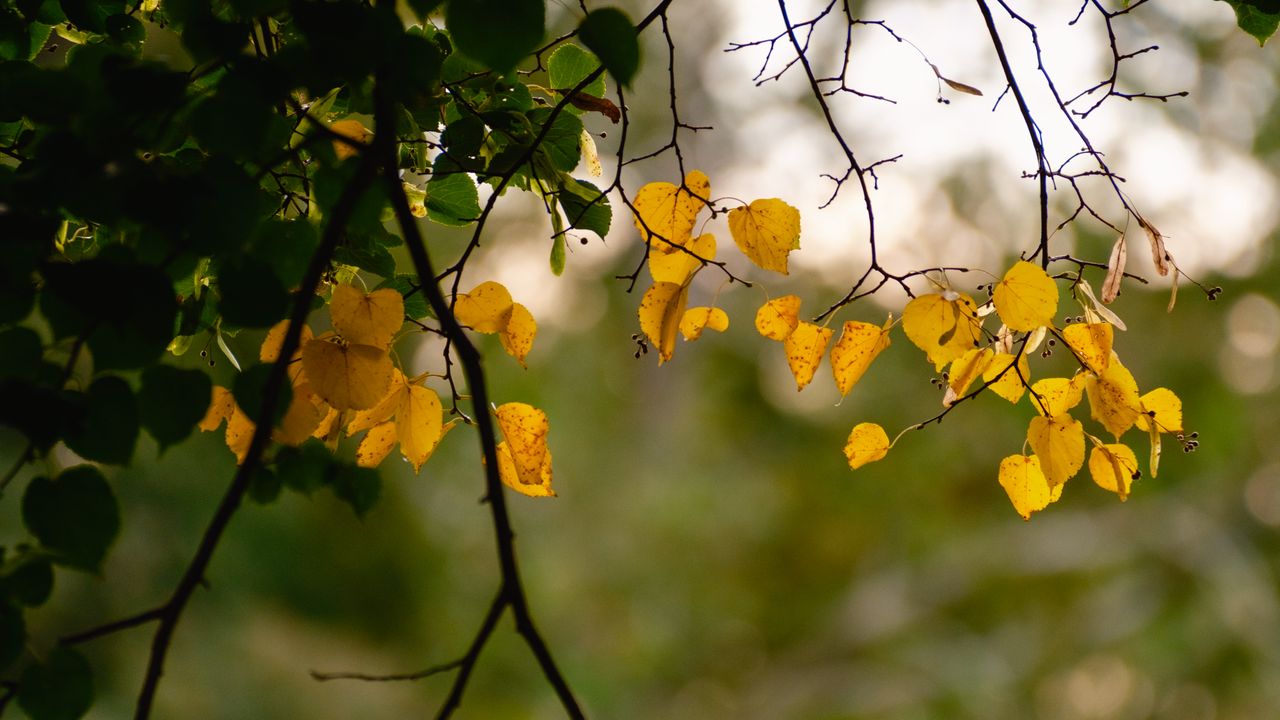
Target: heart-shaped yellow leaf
779, 317
964, 370
419, 423
805, 348
766, 231
518, 334
857, 348
485, 309
1026, 485
1007, 380
1059, 443
1055, 396
371, 319
1113, 397
867, 443
671, 263
345, 375
666, 213
1160, 409
945, 326
1026, 298
510, 478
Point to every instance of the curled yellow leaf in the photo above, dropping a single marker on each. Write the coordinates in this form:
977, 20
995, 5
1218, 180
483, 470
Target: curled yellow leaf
697, 319
779, 317
419, 424
221, 405
485, 309
1114, 468
805, 348
1026, 298
857, 348
525, 429
1026, 485
371, 319
1059, 443
660, 312
1113, 397
510, 478
346, 375
964, 370
766, 231
1007, 380
384, 409
945, 326
678, 263
666, 213
867, 443
518, 334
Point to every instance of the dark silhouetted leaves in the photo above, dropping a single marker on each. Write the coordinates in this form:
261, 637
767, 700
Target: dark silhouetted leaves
358, 487
249, 389
13, 634
612, 37
60, 688
108, 429
251, 294
498, 33
26, 579
21, 356
75, 516
172, 401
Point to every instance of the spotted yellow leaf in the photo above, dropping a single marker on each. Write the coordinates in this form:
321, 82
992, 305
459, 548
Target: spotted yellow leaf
1055, 396
766, 231
510, 478
419, 423
518, 334
660, 312
857, 348
697, 319
945, 326
221, 405
678, 263
779, 317
525, 430
1059, 443
376, 444
1113, 397
384, 409
1026, 298
1007, 379
964, 370
371, 319
666, 213
1026, 485
1114, 468
805, 348
867, 443
1091, 343
485, 309
1161, 409
345, 375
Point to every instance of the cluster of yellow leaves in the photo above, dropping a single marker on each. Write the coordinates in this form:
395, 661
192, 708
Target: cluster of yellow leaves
488, 308
765, 230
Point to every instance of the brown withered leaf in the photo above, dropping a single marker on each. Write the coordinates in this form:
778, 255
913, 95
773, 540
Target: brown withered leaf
1115, 271
591, 103
1159, 255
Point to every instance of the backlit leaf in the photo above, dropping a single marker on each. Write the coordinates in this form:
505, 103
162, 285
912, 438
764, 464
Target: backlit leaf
518, 334
1008, 382
305, 413
376, 444
525, 429
805, 348
510, 478
486, 309
221, 405
1026, 297
945, 326
1026, 485
670, 263
353, 130
665, 212
766, 231
1113, 468
697, 319
345, 375
964, 370
867, 443
1055, 396
1059, 443
75, 516
1091, 343
1162, 410
371, 319
384, 410
853, 353
419, 421
1113, 398
778, 318
660, 312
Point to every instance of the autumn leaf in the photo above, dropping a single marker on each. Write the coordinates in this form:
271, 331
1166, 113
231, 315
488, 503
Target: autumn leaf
507, 473
353, 130
1113, 397
964, 370
240, 428
345, 375
1006, 381
1026, 485
1161, 409
1115, 271
376, 444
778, 318
486, 309
944, 326
371, 319
697, 319
221, 405
665, 212
1026, 298
670, 263
525, 429
1114, 468
766, 231
269, 351
1059, 443
518, 334
857, 348
305, 413
1091, 343
867, 443
384, 409
1055, 396
419, 424
805, 348
661, 310
1159, 255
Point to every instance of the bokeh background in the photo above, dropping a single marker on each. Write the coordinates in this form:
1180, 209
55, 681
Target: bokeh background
710, 554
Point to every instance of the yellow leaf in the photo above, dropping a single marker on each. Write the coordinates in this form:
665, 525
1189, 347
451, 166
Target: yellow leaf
305, 413
1161, 407
525, 429
665, 212
805, 348
964, 370
1026, 485
779, 317
271, 344
518, 334
1059, 443
376, 445
1008, 383
510, 478
1055, 396
419, 424
1026, 298
766, 231
239, 433
660, 312
371, 319
1114, 468
670, 263
943, 328
1091, 342
221, 405
347, 376
857, 348
867, 443
1113, 397
351, 129
486, 309
386, 407
697, 319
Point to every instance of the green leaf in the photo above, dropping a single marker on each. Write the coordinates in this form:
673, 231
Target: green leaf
108, 430
172, 401
13, 634
557, 255
249, 389
569, 65
452, 199
498, 33
612, 37
1259, 18
562, 144
60, 688
27, 579
585, 207
305, 468
75, 516
358, 487
250, 293
415, 301
287, 246
368, 251
264, 486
